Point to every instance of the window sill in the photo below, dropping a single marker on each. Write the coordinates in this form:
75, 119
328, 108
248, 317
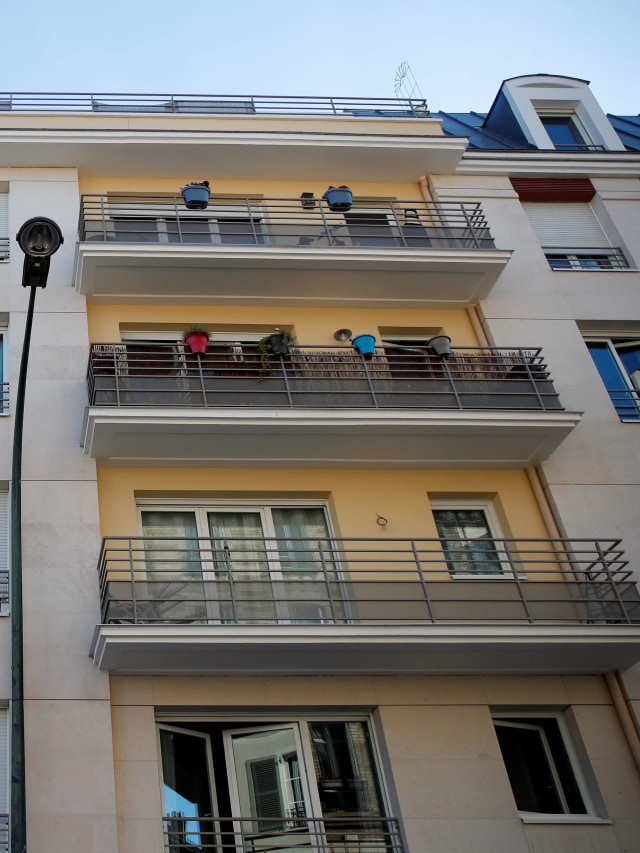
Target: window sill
565, 819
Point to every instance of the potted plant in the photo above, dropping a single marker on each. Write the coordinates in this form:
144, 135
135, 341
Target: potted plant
196, 338
365, 345
441, 345
196, 195
339, 199
278, 342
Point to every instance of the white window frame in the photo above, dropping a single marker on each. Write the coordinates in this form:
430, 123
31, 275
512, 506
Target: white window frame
573, 116
484, 505
506, 717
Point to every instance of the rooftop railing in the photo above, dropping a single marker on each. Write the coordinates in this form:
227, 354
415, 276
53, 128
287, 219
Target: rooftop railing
345, 834
255, 580
284, 222
76, 102
239, 374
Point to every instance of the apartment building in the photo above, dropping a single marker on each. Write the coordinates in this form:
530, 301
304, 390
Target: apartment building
354, 569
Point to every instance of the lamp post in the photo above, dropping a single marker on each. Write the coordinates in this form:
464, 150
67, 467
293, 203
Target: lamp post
39, 238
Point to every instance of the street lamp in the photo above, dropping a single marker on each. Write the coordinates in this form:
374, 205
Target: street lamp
39, 238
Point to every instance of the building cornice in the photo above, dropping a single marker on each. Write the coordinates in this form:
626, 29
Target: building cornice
609, 164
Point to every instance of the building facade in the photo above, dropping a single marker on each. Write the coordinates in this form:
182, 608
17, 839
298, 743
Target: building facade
357, 571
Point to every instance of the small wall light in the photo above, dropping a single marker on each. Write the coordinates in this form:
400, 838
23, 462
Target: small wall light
381, 521
308, 201
342, 335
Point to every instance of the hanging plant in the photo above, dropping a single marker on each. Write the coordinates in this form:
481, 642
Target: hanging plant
278, 342
196, 195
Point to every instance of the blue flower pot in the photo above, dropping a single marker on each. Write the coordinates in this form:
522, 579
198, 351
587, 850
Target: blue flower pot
339, 199
365, 345
196, 196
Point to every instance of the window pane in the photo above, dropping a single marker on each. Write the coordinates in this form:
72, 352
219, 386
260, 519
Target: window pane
345, 771
136, 230
563, 132
187, 790
467, 544
189, 230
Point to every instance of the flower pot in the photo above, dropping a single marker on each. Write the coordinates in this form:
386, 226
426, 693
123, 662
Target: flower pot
197, 342
196, 196
365, 345
278, 344
441, 345
339, 199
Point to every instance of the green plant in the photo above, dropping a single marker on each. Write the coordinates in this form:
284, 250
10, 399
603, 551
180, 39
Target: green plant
265, 348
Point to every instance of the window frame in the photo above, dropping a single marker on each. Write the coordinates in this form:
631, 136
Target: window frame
622, 370
572, 120
486, 506
511, 718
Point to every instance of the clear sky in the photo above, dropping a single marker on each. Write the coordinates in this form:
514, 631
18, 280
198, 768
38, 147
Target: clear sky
458, 50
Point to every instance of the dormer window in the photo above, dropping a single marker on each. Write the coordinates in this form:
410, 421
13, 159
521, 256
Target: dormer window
567, 133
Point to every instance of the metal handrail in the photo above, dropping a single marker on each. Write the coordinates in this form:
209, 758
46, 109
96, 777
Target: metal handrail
191, 104
4, 397
284, 222
279, 834
4, 833
4, 248
168, 374
626, 402
4, 595
326, 580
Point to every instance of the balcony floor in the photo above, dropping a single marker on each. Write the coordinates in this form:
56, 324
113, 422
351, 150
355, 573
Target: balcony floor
362, 650
321, 438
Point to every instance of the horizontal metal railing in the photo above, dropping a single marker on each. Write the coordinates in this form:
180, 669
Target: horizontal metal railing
345, 834
4, 248
240, 374
4, 597
284, 222
4, 398
4, 833
250, 580
586, 259
212, 104
626, 402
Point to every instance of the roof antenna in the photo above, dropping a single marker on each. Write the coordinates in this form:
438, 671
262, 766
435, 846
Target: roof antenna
406, 86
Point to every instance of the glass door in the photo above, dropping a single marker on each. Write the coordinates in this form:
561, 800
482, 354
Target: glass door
187, 789
268, 789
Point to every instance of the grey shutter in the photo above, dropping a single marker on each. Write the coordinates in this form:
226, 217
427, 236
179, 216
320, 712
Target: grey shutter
560, 225
265, 789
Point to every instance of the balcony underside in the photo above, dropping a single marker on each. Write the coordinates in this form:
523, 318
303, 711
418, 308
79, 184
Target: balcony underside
362, 650
316, 438
446, 278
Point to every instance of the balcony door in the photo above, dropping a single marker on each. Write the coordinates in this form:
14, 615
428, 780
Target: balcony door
242, 564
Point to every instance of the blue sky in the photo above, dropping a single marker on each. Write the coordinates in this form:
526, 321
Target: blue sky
459, 51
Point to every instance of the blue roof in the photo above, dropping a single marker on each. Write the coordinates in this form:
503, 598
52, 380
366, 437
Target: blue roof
481, 137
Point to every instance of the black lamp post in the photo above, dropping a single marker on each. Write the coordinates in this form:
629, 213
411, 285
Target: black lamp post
38, 238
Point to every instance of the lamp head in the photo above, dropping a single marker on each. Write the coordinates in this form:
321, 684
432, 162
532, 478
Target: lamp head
39, 237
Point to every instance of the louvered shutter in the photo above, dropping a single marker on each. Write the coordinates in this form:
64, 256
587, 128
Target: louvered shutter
265, 788
4, 225
4, 549
4, 764
566, 226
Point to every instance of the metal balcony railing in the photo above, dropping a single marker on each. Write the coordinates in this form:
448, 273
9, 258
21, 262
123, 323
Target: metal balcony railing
122, 374
78, 102
4, 833
586, 259
346, 834
4, 398
255, 581
626, 402
284, 223
4, 599
4, 248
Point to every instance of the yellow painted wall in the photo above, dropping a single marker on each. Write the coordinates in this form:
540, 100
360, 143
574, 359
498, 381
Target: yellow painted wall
311, 325
355, 497
268, 189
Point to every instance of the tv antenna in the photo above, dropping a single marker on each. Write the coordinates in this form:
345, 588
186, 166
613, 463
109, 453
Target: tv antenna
406, 86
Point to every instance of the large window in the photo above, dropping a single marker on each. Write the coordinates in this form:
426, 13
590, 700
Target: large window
542, 772
241, 564
271, 777
618, 363
469, 532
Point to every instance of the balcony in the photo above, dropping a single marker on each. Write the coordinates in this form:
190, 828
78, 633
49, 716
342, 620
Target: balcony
370, 606
283, 834
327, 406
286, 251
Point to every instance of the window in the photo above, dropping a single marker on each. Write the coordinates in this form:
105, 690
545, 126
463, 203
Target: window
242, 563
4, 226
272, 777
572, 236
618, 363
469, 532
567, 133
541, 769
